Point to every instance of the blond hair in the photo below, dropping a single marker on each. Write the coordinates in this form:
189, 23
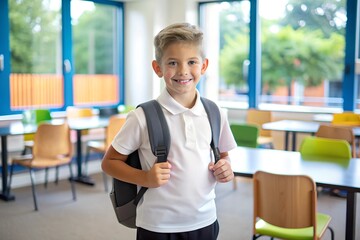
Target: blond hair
178, 32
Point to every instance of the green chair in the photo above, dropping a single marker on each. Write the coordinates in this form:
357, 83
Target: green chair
325, 148
245, 135
33, 116
125, 108
285, 207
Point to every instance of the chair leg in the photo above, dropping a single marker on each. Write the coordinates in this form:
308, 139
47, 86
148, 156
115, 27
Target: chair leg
332, 233
72, 182
57, 175
10, 179
46, 177
32, 177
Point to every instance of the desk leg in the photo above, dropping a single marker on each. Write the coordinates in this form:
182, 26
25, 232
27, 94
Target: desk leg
4, 195
350, 215
294, 141
80, 178
287, 140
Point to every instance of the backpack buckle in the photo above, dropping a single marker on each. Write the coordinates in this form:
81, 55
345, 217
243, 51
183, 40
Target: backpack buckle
160, 151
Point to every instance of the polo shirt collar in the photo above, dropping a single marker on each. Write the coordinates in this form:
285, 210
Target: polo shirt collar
172, 106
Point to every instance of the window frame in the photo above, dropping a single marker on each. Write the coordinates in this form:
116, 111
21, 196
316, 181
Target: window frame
66, 36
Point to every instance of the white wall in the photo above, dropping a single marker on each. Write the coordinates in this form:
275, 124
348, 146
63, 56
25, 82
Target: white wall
143, 20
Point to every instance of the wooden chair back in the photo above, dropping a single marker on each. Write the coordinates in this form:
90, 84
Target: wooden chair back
52, 141
115, 124
259, 117
338, 132
287, 201
77, 112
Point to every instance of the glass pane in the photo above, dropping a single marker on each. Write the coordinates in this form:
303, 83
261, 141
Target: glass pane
35, 41
95, 47
303, 45
226, 30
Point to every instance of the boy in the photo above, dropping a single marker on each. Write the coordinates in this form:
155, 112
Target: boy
180, 201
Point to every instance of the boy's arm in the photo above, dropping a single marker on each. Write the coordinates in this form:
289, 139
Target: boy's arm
113, 164
222, 169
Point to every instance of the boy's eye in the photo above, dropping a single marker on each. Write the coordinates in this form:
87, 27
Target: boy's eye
172, 63
192, 62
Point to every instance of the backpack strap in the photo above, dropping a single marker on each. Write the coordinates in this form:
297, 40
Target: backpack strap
159, 135
214, 116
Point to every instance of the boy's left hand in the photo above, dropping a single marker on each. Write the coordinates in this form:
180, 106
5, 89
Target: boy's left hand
222, 170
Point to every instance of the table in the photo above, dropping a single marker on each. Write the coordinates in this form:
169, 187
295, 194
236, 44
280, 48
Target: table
297, 126
79, 124
18, 128
326, 173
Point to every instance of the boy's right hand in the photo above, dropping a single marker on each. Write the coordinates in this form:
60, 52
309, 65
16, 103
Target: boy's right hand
158, 175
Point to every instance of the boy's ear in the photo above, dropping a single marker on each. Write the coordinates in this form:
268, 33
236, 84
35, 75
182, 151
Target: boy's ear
204, 65
157, 68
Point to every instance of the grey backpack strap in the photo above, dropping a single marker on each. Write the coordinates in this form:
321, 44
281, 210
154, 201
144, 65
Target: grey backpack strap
214, 116
159, 135
158, 129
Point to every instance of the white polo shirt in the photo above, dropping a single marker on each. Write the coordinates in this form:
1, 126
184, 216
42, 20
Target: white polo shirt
187, 201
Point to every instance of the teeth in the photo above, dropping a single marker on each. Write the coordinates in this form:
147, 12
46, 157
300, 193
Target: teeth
183, 81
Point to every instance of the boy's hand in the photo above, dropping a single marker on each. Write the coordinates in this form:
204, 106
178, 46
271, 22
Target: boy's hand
158, 175
222, 170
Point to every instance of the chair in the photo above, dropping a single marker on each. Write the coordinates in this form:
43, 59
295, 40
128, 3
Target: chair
259, 117
322, 148
325, 148
346, 119
108, 111
125, 108
285, 207
52, 148
245, 135
337, 132
78, 112
115, 123
34, 116
73, 112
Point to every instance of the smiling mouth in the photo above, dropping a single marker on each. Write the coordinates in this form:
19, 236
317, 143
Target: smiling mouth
182, 81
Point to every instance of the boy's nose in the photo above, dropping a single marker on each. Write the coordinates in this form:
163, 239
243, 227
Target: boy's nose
183, 69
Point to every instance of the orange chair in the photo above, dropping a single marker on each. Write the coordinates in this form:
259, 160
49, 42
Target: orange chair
73, 112
52, 149
115, 124
259, 117
338, 132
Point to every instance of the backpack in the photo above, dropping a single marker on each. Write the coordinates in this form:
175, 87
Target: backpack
124, 196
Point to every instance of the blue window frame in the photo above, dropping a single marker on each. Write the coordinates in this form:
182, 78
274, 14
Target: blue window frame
67, 56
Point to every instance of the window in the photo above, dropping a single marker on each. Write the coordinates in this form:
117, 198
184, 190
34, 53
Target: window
96, 53
227, 49
35, 42
302, 51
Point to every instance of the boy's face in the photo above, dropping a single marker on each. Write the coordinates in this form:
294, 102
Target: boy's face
181, 67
